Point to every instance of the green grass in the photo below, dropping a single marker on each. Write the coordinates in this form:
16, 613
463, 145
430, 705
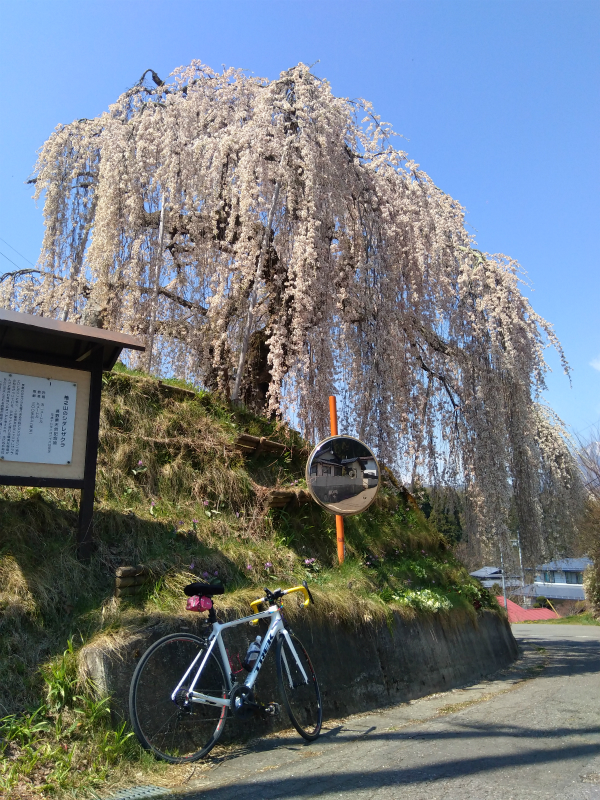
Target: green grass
174, 494
65, 743
587, 618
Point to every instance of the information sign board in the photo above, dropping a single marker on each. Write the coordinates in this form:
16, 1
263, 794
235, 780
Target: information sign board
37, 419
33, 460
50, 392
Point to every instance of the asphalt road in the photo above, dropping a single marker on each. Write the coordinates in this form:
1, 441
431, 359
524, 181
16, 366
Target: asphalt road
531, 733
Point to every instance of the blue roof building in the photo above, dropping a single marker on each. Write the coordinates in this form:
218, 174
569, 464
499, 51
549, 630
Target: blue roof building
559, 580
492, 576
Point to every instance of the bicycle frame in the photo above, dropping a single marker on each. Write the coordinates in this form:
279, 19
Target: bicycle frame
276, 627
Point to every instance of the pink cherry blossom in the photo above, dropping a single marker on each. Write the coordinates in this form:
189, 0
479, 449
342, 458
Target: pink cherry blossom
224, 205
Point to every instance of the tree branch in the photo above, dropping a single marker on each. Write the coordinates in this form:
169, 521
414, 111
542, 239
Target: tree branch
177, 299
439, 376
17, 274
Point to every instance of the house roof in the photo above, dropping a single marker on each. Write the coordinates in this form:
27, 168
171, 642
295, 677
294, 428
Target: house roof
567, 565
22, 334
510, 583
486, 572
555, 591
518, 614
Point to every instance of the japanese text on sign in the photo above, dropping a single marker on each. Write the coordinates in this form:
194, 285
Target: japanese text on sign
37, 419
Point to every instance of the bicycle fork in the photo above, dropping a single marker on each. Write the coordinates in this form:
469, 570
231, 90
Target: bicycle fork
299, 664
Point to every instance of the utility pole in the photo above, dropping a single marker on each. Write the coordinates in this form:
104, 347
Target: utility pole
157, 270
517, 542
503, 579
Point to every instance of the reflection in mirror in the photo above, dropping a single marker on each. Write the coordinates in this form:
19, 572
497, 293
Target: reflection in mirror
342, 475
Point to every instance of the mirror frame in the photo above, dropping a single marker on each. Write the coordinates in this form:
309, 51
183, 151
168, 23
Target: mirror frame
307, 475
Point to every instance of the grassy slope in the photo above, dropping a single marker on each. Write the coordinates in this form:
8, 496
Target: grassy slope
587, 618
174, 494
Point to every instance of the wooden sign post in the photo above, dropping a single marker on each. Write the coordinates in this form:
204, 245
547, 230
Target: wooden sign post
339, 520
50, 391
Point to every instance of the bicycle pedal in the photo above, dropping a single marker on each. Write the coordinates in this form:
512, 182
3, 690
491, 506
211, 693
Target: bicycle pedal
273, 709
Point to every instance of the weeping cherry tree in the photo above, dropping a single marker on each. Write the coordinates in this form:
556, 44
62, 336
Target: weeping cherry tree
271, 244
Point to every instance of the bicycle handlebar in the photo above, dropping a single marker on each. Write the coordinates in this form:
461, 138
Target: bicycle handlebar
271, 597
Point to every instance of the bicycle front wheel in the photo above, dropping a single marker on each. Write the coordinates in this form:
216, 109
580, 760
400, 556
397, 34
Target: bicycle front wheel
176, 730
298, 686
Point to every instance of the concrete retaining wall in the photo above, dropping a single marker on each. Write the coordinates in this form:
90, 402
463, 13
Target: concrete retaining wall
358, 669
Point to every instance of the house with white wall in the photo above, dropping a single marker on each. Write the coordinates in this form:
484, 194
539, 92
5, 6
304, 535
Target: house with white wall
559, 580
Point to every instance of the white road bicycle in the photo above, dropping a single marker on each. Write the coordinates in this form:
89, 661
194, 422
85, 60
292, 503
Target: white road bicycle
183, 686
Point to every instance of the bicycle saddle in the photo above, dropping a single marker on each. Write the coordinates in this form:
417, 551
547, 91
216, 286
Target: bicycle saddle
204, 589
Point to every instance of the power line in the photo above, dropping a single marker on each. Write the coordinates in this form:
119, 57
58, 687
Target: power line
10, 259
597, 422
17, 252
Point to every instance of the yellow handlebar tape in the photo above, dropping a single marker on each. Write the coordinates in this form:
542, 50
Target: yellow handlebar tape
255, 603
304, 592
254, 606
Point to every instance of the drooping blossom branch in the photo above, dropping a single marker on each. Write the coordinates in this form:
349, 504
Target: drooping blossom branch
301, 253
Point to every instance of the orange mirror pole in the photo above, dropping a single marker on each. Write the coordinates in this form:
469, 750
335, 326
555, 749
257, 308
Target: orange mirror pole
339, 520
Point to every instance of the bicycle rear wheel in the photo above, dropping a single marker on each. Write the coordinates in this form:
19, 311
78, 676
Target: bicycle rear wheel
175, 730
299, 692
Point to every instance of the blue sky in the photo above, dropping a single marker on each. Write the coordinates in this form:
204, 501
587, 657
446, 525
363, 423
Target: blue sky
497, 100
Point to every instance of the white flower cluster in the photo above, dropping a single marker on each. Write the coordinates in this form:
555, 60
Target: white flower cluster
365, 283
425, 600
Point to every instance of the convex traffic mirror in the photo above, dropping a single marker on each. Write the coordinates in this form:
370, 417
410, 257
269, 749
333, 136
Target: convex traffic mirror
342, 475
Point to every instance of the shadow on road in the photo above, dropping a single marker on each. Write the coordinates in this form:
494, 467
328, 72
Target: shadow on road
569, 656
546, 745
308, 783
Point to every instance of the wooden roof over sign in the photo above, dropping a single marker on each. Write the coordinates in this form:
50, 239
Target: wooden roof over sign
22, 335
